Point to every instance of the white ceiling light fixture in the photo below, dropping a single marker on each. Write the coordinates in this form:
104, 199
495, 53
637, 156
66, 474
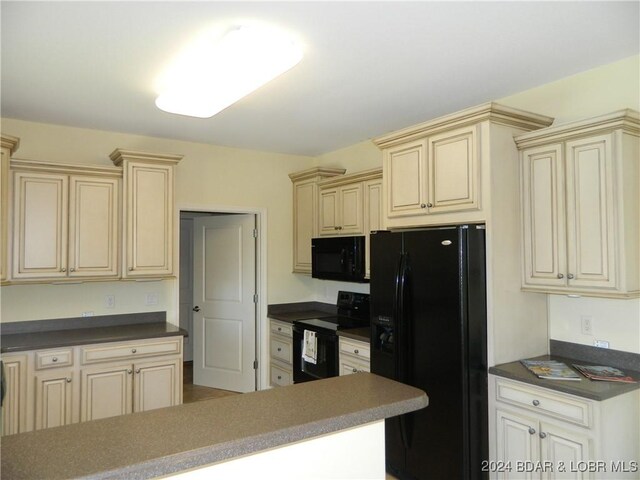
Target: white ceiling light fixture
214, 73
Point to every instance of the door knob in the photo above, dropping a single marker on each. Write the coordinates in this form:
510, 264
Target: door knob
196, 308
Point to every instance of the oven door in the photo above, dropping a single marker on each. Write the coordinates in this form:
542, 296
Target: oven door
326, 355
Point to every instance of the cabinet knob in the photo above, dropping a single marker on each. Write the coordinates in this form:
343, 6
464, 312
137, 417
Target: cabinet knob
68, 379
532, 430
279, 329
335, 228
196, 308
560, 275
129, 371
130, 269
339, 228
54, 359
355, 370
279, 377
279, 349
356, 351
570, 276
423, 205
133, 350
543, 435
536, 403
137, 370
63, 269
72, 269
429, 204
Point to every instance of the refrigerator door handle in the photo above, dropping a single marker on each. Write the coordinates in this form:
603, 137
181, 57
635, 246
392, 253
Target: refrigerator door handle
397, 318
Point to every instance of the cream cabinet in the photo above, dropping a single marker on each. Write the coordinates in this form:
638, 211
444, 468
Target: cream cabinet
8, 146
437, 172
54, 387
373, 218
341, 210
306, 213
560, 433
14, 409
65, 221
148, 206
580, 209
281, 353
354, 356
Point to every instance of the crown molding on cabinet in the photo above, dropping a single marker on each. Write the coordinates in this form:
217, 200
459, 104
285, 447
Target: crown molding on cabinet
65, 168
10, 142
315, 172
362, 176
119, 155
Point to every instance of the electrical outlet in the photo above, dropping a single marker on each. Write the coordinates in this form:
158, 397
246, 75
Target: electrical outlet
152, 299
87, 314
110, 301
587, 325
601, 343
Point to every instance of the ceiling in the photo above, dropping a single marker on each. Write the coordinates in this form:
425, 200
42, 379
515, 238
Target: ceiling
369, 67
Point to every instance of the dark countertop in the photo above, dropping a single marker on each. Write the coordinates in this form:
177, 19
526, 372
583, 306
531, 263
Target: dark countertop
290, 312
169, 440
362, 334
592, 389
23, 336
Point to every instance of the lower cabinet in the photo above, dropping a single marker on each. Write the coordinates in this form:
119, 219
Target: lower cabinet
280, 353
51, 388
538, 433
354, 356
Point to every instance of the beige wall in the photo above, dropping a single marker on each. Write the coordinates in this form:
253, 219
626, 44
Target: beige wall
207, 177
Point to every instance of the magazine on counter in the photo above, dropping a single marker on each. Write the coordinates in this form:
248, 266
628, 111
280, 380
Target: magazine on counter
604, 373
551, 370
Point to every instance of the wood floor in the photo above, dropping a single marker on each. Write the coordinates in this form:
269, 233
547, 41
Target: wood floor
194, 393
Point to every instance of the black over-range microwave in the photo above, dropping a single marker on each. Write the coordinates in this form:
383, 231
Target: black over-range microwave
338, 258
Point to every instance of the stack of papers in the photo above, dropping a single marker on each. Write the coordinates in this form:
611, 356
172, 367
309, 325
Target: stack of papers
607, 374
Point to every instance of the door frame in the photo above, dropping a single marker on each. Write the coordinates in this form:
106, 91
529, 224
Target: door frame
260, 214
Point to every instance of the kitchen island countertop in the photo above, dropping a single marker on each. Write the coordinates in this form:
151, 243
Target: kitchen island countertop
170, 440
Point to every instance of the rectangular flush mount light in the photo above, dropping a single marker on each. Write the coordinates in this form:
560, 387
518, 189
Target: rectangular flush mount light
213, 73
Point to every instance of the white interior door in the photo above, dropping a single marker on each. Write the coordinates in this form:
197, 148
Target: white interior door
224, 317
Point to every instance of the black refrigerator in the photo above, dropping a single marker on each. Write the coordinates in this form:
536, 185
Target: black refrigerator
428, 321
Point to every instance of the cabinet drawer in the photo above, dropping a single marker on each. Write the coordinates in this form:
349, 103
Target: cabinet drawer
279, 328
280, 377
54, 358
281, 349
564, 407
130, 350
349, 366
355, 348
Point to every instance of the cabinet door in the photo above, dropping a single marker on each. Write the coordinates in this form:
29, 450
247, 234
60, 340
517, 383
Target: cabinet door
517, 441
405, 171
149, 225
351, 210
157, 385
40, 228
591, 225
453, 171
543, 216
305, 205
329, 218
372, 215
570, 448
106, 392
54, 398
14, 407
93, 226
5, 154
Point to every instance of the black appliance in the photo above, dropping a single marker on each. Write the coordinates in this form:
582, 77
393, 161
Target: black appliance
338, 258
428, 329
353, 312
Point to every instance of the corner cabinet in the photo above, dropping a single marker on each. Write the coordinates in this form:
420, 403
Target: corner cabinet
148, 206
438, 172
65, 221
538, 433
8, 146
580, 208
306, 213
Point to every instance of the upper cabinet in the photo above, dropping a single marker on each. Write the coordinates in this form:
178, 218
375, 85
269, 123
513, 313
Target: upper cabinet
306, 212
438, 172
580, 207
65, 221
148, 206
8, 146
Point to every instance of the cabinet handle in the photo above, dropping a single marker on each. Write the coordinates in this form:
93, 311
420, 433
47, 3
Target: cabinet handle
129, 371
543, 435
72, 269
339, 228
429, 204
279, 329
532, 430
279, 377
68, 379
355, 370
137, 370
536, 403
423, 205
54, 359
570, 276
356, 351
63, 269
196, 308
133, 350
560, 275
279, 349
